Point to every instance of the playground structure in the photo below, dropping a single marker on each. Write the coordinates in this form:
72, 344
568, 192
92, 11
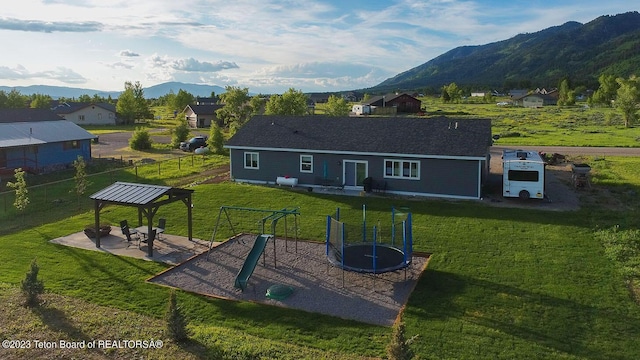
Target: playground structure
370, 250
261, 222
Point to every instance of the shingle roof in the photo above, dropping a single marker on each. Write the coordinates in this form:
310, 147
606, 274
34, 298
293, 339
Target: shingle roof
27, 115
205, 109
71, 107
40, 132
402, 135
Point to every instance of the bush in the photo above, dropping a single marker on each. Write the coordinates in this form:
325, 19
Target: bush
140, 140
179, 134
31, 286
176, 321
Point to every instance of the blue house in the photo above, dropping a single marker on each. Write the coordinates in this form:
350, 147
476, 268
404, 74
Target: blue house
440, 157
39, 141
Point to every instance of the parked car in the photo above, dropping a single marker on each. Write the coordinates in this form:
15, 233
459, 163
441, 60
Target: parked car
193, 143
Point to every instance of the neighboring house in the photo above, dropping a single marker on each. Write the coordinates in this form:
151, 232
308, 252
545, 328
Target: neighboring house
518, 93
201, 116
206, 101
40, 141
478, 93
86, 113
403, 103
438, 157
536, 100
319, 98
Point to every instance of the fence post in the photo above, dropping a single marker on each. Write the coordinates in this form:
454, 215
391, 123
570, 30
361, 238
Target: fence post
136, 172
179, 162
158, 168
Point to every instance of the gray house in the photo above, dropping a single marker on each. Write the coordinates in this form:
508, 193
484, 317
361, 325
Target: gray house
439, 157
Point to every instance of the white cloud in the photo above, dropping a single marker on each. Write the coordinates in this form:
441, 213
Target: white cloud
61, 74
128, 53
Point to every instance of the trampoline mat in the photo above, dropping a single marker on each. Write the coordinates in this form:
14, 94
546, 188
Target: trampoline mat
359, 257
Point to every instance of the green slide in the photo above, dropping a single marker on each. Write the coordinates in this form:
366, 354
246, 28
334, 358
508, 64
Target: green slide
251, 261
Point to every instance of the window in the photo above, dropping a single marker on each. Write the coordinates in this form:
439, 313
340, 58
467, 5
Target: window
251, 160
402, 169
523, 175
306, 163
68, 145
81, 117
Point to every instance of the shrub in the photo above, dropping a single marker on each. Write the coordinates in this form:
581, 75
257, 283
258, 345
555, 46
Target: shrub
176, 321
31, 286
140, 140
398, 348
179, 134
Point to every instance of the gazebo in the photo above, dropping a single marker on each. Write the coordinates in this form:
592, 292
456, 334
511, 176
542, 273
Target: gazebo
146, 198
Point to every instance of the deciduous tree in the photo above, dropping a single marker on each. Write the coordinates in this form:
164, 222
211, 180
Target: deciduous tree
628, 99
292, 102
182, 99
337, 106
606, 92
237, 107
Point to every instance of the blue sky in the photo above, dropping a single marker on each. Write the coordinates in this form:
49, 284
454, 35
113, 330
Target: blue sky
267, 46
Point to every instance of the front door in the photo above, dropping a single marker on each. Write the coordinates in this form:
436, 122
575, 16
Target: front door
354, 173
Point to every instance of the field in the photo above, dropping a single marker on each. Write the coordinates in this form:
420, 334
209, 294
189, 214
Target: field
502, 283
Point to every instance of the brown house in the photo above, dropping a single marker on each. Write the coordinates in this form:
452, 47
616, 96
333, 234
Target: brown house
403, 102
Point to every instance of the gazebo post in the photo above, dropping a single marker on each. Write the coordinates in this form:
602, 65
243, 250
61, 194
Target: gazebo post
97, 222
189, 219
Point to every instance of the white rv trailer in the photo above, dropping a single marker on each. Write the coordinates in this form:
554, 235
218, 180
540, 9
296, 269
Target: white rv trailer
523, 174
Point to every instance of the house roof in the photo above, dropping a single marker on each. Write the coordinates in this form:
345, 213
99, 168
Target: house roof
40, 132
71, 107
27, 115
387, 98
446, 137
205, 109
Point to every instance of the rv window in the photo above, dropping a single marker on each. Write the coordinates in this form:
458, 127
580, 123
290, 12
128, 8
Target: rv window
520, 175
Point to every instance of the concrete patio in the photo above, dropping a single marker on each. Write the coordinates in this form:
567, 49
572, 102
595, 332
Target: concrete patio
169, 249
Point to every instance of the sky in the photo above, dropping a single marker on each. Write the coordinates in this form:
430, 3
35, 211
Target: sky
267, 46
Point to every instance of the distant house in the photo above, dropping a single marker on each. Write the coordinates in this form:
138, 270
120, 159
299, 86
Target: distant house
536, 100
438, 157
206, 101
402, 103
86, 113
40, 141
518, 93
479, 93
201, 116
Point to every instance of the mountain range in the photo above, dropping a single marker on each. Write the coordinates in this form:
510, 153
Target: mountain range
576, 51
151, 92
579, 52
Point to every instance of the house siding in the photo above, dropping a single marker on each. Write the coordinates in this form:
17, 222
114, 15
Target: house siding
91, 115
438, 177
46, 157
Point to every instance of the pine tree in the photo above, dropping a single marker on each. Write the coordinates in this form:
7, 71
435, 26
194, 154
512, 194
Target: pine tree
176, 321
399, 349
31, 286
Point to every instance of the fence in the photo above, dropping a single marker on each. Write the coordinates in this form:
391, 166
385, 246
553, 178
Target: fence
55, 200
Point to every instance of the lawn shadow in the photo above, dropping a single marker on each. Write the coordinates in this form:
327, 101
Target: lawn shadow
561, 324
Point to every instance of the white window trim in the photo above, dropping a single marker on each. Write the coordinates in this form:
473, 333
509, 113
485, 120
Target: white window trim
301, 163
384, 170
244, 160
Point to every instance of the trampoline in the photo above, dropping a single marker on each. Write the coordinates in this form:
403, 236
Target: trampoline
378, 253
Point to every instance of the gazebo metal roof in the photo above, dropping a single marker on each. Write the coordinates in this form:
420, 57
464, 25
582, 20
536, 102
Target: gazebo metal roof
146, 198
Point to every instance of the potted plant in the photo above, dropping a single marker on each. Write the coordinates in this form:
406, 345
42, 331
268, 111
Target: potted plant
90, 230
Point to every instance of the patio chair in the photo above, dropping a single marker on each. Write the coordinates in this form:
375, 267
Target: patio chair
126, 231
162, 223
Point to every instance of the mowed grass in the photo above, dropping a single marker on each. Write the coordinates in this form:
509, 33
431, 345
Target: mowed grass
547, 126
502, 283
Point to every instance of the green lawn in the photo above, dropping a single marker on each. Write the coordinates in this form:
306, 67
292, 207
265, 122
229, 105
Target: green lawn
501, 284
